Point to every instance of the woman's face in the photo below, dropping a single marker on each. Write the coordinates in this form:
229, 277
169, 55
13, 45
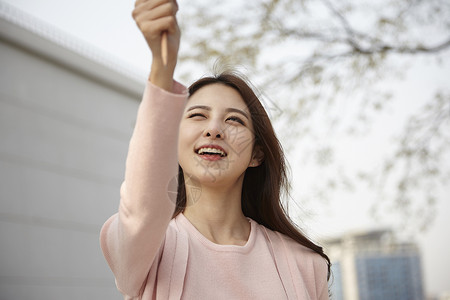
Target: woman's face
216, 136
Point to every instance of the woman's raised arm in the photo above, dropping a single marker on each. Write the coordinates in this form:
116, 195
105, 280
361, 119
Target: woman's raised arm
132, 238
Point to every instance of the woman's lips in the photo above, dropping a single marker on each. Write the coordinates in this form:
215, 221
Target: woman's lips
211, 152
210, 157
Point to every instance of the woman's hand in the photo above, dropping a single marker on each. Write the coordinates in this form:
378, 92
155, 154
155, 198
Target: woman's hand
155, 17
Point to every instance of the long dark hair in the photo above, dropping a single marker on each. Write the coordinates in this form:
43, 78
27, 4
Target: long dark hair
263, 185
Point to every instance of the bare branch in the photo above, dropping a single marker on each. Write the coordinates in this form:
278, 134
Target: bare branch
414, 50
380, 48
350, 31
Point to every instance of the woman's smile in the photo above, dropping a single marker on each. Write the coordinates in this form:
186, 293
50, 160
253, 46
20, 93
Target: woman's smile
211, 152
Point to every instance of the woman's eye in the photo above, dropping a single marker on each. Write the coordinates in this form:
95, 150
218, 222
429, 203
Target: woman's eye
236, 119
193, 115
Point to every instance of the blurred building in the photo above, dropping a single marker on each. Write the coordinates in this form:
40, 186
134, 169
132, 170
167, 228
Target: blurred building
66, 116
374, 266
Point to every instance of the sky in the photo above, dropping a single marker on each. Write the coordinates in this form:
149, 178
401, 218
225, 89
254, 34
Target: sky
109, 27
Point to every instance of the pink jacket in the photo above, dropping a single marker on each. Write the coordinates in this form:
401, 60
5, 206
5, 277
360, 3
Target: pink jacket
148, 251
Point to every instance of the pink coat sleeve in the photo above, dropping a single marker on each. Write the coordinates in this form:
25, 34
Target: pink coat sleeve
131, 239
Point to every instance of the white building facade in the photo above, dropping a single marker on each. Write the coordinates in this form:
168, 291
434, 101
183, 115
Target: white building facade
66, 117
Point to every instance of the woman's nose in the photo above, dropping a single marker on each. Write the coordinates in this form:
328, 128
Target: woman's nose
214, 130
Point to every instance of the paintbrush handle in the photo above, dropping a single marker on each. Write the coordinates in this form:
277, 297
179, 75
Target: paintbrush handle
164, 48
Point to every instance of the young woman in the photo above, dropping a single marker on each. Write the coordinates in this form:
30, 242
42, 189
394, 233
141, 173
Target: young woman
200, 214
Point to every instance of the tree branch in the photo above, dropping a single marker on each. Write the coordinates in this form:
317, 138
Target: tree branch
412, 50
384, 48
351, 32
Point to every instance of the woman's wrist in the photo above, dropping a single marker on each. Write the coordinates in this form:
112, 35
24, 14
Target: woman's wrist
161, 75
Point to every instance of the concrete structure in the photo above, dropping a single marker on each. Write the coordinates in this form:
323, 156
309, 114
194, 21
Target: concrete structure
373, 266
66, 116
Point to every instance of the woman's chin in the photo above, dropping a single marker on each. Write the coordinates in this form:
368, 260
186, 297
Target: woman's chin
212, 177
213, 172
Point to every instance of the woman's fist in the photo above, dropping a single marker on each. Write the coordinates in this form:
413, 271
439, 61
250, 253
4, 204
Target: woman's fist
154, 17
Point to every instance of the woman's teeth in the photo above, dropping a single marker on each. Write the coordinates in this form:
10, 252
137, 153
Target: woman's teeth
213, 151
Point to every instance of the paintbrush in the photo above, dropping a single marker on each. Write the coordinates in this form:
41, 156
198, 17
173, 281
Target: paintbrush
164, 48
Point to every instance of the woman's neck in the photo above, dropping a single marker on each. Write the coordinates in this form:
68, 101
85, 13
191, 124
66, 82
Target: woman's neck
217, 214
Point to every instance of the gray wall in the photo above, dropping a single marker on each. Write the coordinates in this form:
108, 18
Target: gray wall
64, 134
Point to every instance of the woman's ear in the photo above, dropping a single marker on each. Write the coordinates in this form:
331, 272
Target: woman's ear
257, 157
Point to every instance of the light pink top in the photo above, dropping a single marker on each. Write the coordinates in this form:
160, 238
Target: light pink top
156, 257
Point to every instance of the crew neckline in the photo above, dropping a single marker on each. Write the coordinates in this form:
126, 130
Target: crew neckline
193, 231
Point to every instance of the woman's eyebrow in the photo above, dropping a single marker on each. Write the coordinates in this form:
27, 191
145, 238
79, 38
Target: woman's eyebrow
198, 106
